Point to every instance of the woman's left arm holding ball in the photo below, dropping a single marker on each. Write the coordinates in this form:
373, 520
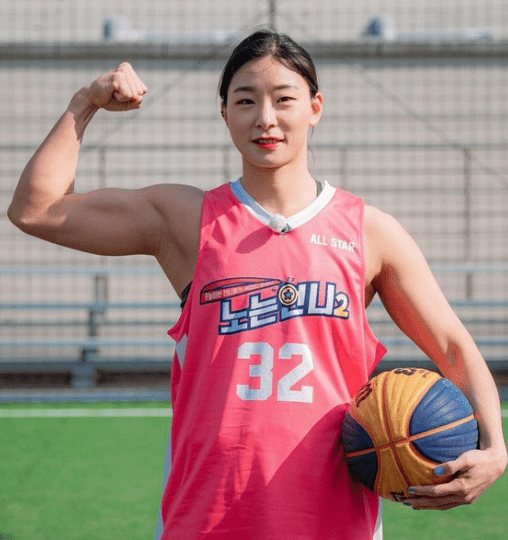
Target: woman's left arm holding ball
398, 272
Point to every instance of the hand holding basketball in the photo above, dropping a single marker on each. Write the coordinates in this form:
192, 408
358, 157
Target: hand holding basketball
411, 436
473, 472
117, 90
402, 426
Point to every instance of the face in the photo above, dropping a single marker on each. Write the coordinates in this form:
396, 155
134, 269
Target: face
269, 113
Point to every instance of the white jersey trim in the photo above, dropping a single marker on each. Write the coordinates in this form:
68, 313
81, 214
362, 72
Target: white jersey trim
159, 527
294, 221
378, 534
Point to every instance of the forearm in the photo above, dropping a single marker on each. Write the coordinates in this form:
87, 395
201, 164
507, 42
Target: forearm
51, 171
467, 369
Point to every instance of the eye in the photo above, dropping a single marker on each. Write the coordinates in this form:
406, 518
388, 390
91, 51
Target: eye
245, 101
285, 99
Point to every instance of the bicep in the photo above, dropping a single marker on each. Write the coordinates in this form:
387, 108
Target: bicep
112, 221
104, 222
412, 296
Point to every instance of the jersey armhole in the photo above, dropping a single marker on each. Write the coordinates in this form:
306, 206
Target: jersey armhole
188, 291
185, 295
375, 350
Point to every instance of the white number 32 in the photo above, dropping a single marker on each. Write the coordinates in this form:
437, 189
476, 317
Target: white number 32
264, 372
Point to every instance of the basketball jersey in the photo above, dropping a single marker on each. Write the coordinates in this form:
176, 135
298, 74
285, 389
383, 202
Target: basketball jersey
270, 347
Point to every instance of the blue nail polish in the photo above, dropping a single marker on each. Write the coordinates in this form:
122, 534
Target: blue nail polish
411, 490
439, 471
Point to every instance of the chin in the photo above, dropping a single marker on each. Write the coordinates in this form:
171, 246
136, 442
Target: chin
266, 165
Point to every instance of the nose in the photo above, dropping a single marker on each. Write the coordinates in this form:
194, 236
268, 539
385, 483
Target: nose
267, 117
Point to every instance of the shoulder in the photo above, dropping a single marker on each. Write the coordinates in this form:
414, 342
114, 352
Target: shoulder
171, 195
177, 205
378, 222
388, 244
384, 230
179, 209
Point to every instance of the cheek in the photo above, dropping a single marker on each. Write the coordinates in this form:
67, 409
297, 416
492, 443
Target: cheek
237, 134
235, 131
235, 120
298, 118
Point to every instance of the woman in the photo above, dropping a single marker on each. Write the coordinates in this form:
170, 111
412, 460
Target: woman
275, 271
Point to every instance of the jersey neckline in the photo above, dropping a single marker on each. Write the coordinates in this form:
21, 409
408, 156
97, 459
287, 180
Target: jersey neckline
294, 221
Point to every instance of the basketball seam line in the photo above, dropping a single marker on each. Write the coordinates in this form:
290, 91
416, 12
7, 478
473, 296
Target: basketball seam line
411, 438
429, 384
395, 453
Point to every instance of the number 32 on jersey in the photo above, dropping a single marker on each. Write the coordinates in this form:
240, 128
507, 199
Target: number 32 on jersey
263, 372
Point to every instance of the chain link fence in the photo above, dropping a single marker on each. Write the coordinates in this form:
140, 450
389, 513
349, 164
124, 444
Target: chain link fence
415, 122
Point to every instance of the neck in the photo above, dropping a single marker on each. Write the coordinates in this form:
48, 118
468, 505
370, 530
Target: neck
284, 191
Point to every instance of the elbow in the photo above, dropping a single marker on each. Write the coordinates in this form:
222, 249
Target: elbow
15, 216
23, 218
40, 221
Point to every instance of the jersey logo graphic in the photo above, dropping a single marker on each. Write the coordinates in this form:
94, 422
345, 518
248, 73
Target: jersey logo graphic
248, 303
288, 294
227, 288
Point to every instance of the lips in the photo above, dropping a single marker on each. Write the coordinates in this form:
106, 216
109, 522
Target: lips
268, 142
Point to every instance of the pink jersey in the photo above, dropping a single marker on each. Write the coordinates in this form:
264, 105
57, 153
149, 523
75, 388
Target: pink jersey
271, 346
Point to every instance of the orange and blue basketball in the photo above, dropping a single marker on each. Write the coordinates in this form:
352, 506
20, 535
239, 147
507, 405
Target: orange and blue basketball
401, 425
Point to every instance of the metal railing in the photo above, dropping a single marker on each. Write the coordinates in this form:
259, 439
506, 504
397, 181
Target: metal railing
93, 350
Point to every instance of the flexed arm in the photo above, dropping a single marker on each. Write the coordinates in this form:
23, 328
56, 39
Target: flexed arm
44, 203
159, 220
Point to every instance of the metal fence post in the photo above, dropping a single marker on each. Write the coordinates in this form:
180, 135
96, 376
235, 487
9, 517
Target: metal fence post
84, 373
272, 13
468, 226
343, 168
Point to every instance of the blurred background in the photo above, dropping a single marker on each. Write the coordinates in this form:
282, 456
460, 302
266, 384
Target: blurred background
415, 122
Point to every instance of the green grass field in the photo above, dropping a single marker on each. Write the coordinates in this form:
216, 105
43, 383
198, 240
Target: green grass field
101, 479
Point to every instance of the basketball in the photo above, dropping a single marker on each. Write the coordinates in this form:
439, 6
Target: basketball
401, 425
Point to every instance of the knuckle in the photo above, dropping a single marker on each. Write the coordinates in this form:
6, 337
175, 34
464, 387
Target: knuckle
469, 498
116, 84
462, 489
467, 461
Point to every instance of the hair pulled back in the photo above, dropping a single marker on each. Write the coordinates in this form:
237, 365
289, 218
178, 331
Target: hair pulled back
264, 43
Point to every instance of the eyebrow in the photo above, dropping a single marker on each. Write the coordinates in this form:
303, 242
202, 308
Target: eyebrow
252, 89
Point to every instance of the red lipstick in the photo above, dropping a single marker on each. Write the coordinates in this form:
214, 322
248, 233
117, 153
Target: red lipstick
268, 143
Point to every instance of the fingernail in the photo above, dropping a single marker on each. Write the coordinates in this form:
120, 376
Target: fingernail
439, 471
411, 490
407, 504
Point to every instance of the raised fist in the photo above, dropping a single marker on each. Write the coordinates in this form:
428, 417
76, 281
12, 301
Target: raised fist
117, 90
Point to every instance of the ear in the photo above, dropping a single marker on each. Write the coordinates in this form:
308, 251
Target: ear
223, 111
317, 109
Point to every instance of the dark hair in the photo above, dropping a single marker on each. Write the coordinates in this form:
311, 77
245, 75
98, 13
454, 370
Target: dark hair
264, 43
